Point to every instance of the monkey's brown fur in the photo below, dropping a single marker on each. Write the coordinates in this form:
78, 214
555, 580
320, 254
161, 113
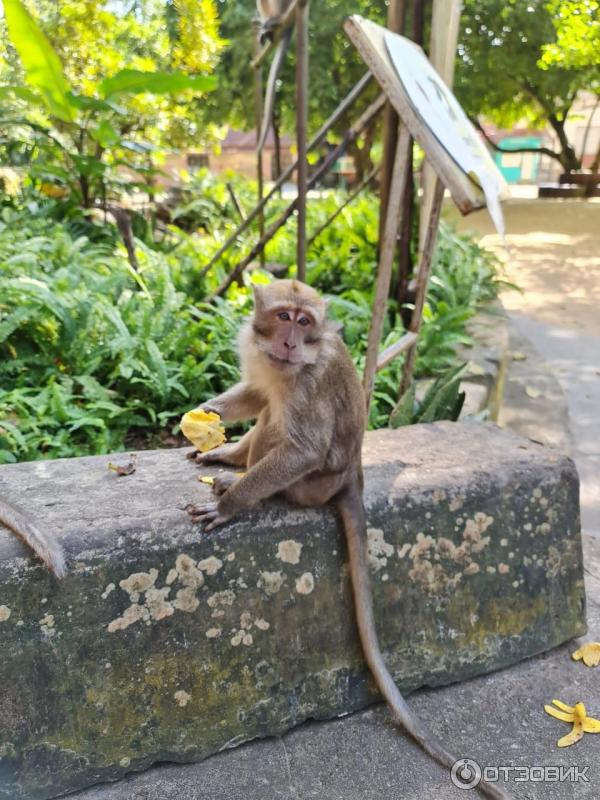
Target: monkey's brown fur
42, 543
300, 384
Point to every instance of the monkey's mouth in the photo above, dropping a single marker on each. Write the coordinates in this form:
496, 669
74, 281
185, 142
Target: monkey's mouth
280, 362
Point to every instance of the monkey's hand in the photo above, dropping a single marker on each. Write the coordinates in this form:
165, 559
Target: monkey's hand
208, 514
222, 482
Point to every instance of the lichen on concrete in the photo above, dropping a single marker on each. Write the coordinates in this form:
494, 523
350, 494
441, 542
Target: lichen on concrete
165, 643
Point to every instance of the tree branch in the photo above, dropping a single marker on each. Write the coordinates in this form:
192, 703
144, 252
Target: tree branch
546, 151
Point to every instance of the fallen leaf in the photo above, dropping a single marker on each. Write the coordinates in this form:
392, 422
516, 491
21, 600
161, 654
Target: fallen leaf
125, 469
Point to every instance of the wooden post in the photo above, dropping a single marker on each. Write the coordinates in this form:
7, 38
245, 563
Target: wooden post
258, 111
423, 272
445, 22
395, 22
386, 257
301, 132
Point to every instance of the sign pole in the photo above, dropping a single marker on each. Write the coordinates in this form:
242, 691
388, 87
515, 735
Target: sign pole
301, 131
423, 273
386, 257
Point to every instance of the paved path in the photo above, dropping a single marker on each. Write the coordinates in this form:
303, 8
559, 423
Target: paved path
555, 259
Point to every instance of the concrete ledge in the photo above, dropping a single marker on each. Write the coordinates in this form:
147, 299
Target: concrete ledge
164, 644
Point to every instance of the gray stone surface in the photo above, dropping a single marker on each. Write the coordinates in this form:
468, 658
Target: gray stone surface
497, 719
533, 402
93, 690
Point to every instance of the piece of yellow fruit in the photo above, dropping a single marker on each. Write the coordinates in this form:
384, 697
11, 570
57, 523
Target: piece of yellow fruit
589, 653
578, 716
577, 732
564, 706
203, 429
206, 479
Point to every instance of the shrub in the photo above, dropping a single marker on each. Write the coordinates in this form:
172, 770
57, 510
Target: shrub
95, 356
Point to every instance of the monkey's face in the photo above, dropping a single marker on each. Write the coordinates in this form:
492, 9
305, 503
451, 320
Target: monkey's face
287, 336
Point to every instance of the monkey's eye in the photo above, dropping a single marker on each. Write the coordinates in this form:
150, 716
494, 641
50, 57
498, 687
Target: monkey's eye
304, 321
284, 316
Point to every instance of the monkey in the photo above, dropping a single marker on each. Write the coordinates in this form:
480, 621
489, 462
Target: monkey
42, 543
270, 13
300, 384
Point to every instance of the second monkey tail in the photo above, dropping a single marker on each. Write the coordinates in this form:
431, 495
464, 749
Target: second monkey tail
350, 505
42, 544
274, 71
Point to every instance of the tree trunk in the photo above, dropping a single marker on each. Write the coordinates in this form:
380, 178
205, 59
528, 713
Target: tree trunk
277, 152
596, 162
568, 159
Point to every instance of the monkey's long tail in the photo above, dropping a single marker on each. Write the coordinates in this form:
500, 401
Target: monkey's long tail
42, 544
274, 70
351, 509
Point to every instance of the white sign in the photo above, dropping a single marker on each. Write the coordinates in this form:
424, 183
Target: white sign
439, 109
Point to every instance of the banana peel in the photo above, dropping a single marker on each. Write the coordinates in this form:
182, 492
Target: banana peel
577, 715
589, 653
203, 429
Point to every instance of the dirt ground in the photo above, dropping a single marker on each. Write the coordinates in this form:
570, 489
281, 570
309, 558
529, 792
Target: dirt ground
554, 257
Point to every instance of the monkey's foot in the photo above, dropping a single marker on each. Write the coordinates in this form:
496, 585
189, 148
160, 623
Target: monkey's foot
207, 514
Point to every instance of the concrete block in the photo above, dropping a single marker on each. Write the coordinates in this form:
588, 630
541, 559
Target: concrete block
167, 644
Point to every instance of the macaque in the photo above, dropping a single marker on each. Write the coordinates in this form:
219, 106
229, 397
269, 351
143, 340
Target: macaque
300, 384
42, 543
270, 13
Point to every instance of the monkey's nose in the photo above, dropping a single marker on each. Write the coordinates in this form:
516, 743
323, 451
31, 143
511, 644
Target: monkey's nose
290, 346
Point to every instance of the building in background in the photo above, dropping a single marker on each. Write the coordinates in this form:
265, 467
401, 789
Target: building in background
237, 153
582, 129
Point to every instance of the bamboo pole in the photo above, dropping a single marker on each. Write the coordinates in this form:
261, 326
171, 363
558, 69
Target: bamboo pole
301, 133
394, 350
423, 273
258, 112
395, 22
235, 201
445, 23
386, 257
346, 103
351, 134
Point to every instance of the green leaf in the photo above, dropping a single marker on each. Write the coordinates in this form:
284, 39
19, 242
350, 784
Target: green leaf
22, 92
85, 103
42, 65
88, 165
136, 81
403, 413
105, 134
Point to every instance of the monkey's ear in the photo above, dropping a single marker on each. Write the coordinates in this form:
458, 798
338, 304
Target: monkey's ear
259, 299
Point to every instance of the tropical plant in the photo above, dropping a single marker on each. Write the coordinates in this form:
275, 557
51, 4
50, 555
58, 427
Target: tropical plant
80, 143
442, 400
